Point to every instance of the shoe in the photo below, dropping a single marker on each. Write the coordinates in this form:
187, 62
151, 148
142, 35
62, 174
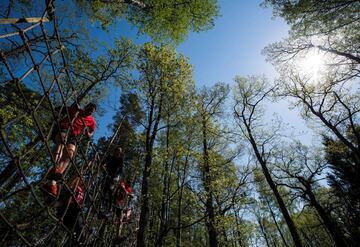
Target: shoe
50, 189
55, 175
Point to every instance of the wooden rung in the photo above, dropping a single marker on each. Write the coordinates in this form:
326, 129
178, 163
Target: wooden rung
23, 20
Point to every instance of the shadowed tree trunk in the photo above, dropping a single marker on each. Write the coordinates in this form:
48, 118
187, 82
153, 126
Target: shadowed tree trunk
251, 92
149, 143
273, 187
328, 222
210, 224
275, 221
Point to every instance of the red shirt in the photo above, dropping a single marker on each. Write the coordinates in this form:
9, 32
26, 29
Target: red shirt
123, 190
78, 196
78, 122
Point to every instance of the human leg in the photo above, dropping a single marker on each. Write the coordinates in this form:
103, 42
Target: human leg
53, 175
67, 155
60, 139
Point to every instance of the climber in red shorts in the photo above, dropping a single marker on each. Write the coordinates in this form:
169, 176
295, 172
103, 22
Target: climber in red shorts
123, 191
71, 126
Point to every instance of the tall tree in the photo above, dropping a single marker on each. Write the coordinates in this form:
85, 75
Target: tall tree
267, 209
164, 77
328, 99
346, 169
249, 95
301, 170
209, 107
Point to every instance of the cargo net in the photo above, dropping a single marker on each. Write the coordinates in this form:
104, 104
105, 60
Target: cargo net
36, 92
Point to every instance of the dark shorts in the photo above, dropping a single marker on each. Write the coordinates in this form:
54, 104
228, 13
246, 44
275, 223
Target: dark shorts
119, 211
72, 218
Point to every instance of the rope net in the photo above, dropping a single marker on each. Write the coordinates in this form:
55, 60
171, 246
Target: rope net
36, 88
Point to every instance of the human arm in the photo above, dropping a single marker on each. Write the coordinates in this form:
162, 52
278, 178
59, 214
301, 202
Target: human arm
90, 127
89, 133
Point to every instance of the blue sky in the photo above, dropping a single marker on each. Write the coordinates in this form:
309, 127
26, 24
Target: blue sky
232, 47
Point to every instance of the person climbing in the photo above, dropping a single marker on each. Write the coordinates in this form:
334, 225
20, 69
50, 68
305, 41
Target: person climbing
114, 163
113, 166
71, 126
123, 211
124, 216
127, 215
123, 192
70, 205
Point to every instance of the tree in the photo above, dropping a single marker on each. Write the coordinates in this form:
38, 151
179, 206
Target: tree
161, 19
330, 98
172, 166
164, 77
345, 170
266, 209
310, 17
209, 107
328, 26
300, 170
249, 95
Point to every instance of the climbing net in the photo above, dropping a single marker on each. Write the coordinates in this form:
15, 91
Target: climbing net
34, 78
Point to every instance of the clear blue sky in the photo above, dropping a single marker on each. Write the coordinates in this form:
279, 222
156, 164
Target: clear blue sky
232, 47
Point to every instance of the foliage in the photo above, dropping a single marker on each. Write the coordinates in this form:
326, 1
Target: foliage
161, 19
344, 165
330, 99
201, 176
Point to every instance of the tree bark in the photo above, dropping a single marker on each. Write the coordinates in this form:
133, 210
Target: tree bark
276, 224
163, 213
149, 143
263, 232
213, 239
293, 231
328, 222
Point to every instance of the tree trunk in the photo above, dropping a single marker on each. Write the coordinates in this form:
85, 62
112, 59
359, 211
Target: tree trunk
164, 199
213, 239
328, 222
162, 211
294, 234
276, 224
178, 223
263, 232
179, 209
238, 232
144, 210
149, 143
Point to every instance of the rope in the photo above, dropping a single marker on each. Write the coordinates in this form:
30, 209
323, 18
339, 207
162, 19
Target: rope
24, 163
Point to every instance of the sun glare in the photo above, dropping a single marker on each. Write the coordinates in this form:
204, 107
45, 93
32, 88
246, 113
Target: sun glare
312, 65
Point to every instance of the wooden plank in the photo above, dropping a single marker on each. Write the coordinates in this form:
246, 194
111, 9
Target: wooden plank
23, 20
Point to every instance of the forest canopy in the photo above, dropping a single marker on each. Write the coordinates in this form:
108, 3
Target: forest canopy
108, 139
